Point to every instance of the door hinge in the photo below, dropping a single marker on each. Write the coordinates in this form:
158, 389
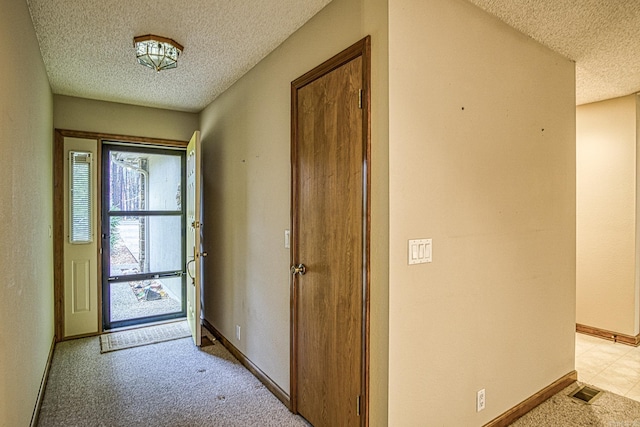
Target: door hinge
360, 98
358, 406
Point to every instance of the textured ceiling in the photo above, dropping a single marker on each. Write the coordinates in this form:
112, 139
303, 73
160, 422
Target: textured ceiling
601, 36
87, 45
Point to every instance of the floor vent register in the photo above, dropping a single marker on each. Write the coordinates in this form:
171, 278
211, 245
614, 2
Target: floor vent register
586, 394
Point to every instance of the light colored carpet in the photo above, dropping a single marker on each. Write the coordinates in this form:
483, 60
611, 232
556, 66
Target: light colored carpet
610, 410
172, 384
176, 384
143, 336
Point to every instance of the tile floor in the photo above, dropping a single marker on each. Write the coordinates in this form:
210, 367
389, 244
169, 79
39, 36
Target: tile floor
610, 366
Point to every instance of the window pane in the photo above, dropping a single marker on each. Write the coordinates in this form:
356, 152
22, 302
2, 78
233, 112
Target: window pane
144, 181
145, 244
80, 224
144, 298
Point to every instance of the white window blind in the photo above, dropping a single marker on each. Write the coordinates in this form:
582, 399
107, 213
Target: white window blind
80, 184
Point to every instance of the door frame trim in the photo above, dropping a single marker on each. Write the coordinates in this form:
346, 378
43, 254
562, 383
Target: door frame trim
362, 49
58, 212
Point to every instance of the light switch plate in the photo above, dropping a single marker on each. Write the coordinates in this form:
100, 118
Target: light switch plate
420, 251
287, 239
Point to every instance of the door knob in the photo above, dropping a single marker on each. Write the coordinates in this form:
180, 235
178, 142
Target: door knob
298, 269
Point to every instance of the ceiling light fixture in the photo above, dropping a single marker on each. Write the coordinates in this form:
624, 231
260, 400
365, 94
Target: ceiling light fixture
159, 53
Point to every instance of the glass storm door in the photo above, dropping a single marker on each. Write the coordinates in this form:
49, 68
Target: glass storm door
143, 245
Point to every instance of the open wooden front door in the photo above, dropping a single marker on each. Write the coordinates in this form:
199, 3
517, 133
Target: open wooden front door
330, 154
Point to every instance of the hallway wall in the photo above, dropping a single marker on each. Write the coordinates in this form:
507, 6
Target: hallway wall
89, 115
26, 192
246, 149
607, 282
482, 161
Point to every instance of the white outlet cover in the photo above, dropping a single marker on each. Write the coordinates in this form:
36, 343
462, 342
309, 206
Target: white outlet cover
480, 400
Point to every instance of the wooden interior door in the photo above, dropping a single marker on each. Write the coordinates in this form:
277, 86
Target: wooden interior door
330, 241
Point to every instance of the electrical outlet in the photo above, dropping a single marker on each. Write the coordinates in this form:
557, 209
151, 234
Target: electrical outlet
238, 332
480, 400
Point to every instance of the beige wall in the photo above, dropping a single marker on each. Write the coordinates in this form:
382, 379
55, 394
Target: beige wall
481, 160
121, 119
246, 149
607, 174
26, 250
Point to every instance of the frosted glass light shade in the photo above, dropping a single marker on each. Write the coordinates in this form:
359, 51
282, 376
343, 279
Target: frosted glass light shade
159, 53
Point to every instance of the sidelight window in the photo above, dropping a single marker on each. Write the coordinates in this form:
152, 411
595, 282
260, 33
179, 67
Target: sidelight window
80, 223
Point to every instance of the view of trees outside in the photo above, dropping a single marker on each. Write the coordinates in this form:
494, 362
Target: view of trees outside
141, 182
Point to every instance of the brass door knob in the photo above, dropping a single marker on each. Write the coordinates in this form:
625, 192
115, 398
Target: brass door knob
298, 269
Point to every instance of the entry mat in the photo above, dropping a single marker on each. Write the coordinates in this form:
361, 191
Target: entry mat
143, 336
